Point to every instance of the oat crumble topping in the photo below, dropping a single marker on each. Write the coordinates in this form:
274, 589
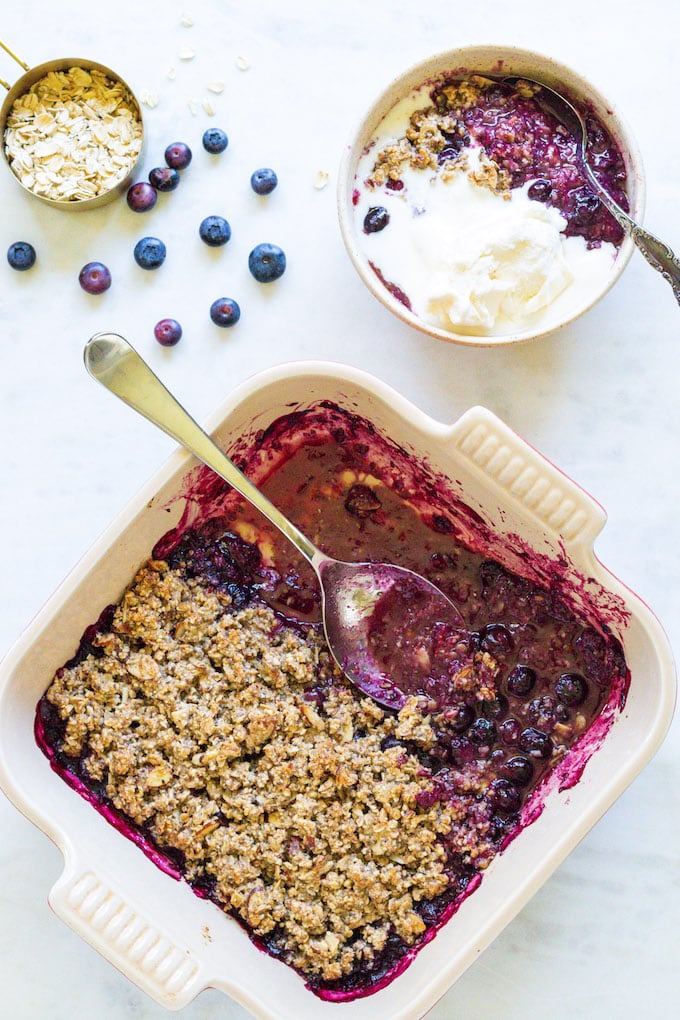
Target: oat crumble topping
434, 129
310, 817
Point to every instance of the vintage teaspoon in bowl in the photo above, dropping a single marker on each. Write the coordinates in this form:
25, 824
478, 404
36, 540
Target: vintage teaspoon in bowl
656, 252
380, 620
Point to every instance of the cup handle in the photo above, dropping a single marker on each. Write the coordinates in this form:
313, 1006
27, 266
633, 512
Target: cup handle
19, 61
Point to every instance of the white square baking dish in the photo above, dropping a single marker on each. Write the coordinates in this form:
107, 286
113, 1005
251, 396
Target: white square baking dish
154, 929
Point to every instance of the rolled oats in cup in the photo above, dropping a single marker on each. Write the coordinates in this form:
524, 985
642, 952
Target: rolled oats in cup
74, 135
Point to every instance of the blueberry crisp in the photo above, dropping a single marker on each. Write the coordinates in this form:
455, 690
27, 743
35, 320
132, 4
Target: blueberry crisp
205, 712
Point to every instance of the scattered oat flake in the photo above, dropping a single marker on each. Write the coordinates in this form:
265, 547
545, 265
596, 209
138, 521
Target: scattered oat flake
242, 63
172, 73
186, 21
186, 53
193, 107
149, 99
321, 179
208, 107
217, 87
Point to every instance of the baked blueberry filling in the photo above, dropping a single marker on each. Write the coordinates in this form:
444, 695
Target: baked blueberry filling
203, 716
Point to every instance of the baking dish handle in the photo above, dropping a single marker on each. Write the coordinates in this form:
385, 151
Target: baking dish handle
97, 911
562, 508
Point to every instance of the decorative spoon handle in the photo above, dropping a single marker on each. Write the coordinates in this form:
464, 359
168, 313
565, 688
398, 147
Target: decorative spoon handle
660, 256
657, 253
113, 362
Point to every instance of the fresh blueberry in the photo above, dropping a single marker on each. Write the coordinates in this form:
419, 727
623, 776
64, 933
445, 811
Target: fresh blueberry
215, 140
267, 262
571, 689
21, 256
225, 312
214, 231
518, 769
168, 332
178, 155
141, 197
95, 278
376, 219
263, 181
521, 681
164, 178
150, 253
504, 796
536, 743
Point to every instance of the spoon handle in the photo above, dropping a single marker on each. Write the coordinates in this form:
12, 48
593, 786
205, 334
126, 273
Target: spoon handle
659, 256
656, 252
113, 362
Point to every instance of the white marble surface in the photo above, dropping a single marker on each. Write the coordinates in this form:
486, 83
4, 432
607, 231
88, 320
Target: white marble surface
600, 399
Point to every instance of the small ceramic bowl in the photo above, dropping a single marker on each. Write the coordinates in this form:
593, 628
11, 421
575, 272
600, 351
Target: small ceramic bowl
354, 196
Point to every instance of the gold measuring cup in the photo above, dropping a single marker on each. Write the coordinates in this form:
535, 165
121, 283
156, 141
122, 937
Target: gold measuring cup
34, 74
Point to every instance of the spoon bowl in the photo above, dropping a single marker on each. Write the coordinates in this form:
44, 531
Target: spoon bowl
383, 623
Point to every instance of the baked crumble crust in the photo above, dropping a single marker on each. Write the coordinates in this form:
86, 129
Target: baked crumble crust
234, 739
433, 129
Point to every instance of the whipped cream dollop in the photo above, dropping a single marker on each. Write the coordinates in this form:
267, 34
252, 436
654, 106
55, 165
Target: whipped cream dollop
474, 260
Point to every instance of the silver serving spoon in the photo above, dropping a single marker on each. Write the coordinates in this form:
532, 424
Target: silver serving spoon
658, 254
379, 619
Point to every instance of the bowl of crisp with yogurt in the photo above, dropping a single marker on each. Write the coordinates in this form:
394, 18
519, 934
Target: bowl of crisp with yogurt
465, 208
